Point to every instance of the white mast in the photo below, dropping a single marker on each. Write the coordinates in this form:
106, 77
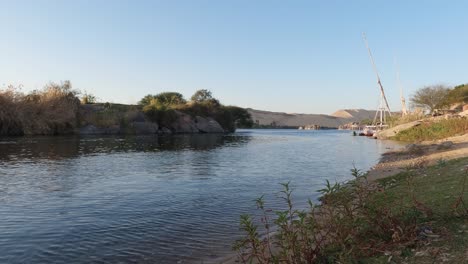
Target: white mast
404, 112
383, 107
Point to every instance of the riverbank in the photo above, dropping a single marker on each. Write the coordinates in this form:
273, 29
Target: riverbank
57, 110
425, 153
411, 207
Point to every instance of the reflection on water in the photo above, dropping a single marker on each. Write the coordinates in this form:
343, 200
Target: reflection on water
156, 199
69, 147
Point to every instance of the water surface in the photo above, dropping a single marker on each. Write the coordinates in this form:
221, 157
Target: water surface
173, 199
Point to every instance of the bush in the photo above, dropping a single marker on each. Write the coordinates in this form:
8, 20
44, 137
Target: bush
88, 98
166, 98
459, 94
162, 109
201, 96
160, 113
356, 220
52, 110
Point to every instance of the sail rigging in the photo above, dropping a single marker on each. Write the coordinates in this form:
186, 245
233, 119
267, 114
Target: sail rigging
384, 108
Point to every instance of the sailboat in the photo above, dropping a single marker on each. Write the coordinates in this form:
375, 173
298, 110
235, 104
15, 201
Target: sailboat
380, 119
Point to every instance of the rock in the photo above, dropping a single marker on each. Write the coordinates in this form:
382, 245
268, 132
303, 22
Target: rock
445, 145
184, 124
141, 128
164, 131
93, 130
136, 117
388, 133
90, 130
208, 125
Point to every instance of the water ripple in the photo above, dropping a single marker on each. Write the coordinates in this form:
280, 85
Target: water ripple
156, 199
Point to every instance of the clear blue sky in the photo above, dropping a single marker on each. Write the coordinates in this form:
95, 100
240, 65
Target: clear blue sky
292, 56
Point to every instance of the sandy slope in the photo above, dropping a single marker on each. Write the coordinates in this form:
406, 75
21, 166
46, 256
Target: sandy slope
336, 119
430, 152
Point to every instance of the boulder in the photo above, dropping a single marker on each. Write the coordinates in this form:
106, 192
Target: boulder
164, 131
184, 124
388, 133
93, 130
136, 116
208, 125
142, 128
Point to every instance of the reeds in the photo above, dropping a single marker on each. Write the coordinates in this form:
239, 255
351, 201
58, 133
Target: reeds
52, 110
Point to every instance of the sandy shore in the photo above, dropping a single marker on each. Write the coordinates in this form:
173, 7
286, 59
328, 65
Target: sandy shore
421, 154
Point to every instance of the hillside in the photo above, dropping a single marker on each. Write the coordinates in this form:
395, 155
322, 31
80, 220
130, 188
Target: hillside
334, 120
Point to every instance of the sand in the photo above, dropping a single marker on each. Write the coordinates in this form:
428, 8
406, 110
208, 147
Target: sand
425, 153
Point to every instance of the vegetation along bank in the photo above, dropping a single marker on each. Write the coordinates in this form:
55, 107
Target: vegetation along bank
57, 109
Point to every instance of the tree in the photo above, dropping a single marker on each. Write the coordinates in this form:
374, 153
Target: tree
146, 100
431, 97
241, 116
88, 98
165, 98
459, 94
201, 96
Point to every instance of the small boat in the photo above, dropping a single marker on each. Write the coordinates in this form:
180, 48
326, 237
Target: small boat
371, 130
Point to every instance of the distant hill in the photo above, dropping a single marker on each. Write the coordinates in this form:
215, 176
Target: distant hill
334, 120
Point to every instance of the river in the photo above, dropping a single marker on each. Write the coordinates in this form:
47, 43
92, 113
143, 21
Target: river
147, 199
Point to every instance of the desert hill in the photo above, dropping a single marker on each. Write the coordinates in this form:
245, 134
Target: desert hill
334, 120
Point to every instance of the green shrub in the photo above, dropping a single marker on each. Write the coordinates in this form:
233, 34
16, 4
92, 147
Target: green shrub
160, 113
166, 98
162, 109
359, 221
354, 221
459, 94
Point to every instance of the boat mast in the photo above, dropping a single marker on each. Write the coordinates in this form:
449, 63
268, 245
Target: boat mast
383, 108
404, 112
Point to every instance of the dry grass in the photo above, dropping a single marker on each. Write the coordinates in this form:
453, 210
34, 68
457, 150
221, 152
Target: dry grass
400, 120
52, 110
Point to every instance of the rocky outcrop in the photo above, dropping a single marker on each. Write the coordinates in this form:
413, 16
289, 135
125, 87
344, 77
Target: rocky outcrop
93, 130
186, 124
208, 125
183, 124
164, 131
137, 124
142, 128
